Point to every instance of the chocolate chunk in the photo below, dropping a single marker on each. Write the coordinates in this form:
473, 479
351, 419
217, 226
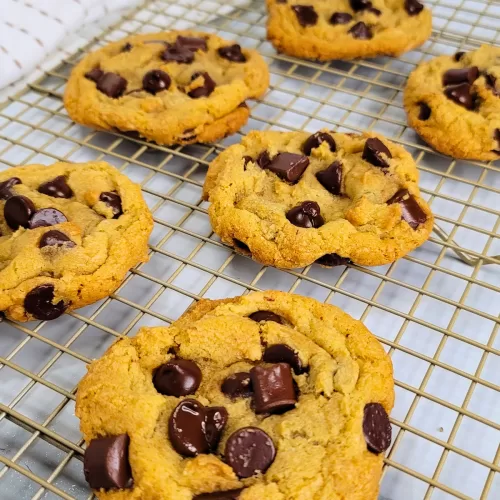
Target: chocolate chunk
57, 188
155, 81
288, 166
178, 377
204, 90
220, 495
126, 48
331, 178
314, 141
461, 94
306, 15
273, 388
462, 75
459, 56
496, 135
55, 238
266, 316
38, 303
376, 428
112, 85
106, 463
306, 215
243, 247
94, 74
340, 18
176, 53
113, 200
237, 385
192, 43
232, 53
263, 160
194, 428
333, 260
375, 11
282, 353
491, 83
357, 5
413, 7
5, 187
46, 217
361, 31
373, 151
411, 211
18, 211
246, 160
425, 111
249, 450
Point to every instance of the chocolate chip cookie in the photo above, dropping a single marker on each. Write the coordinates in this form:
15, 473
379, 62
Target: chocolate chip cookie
177, 87
453, 102
68, 235
347, 29
267, 396
289, 199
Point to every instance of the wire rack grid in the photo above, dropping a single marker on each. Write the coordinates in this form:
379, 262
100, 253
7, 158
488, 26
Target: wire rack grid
435, 311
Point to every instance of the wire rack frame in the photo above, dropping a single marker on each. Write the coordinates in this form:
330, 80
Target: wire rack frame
435, 314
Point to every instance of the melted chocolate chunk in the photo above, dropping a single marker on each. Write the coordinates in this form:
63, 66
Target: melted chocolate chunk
373, 152
237, 385
57, 188
461, 94
192, 43
178, 377
39, 303
374, 11
5, 187
155, 81
112, 200
282, 353
340, 18
425, 111
263, 160
315, 140
361, 31
265, 316
288, 166
194, 428
232, 53
204, 90
249, 450
112, 85
331, 178
333, 260
496, 135
94, 74
491, 83
459, 56
411, 212
55, 238
306, 15
246, 160
413, 7
243, 247
46, 217
176, 53
462, 75
306, 215
106, 464
18, 211
357, 5
273, 388
220, 495
376, 428
126, 48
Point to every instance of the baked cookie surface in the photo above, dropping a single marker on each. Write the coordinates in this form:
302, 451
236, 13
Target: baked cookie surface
267, 396
292, 198
69, 233
453, 102
176, 87
347, 29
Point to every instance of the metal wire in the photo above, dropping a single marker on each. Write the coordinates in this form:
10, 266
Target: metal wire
436, 314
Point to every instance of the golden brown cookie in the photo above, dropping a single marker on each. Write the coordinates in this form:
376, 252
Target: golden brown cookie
289, 199
69, 233
177, 87
267, 396
453, 102
347, 29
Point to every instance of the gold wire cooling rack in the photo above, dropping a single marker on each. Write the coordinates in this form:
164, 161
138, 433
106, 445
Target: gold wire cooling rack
435, 311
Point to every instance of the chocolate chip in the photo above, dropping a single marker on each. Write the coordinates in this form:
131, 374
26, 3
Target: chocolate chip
204, 90
5, 187
425, 111
106, 464
273, 388
55, 238
220, 495
282, 353
411, 211
340, 18
112, 200
376, 428
461, 94
306, 215
357, 5
314, 141
459, 56
491, 83
94, 74
306, 15
249, 450
246, 160
232, 53
266, 316
462, 75
46, 217
178, 377
112, 85
38, 303
176, 53
263, 160
237, 385
333, 260
331, 178
192, 43
374, 11
126, 48
194, 429
361, 31
413, 7
18, 211
288, 166
155, 81
373, 151
57, 188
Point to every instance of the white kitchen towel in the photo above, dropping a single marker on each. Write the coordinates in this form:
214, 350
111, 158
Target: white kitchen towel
31, 30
